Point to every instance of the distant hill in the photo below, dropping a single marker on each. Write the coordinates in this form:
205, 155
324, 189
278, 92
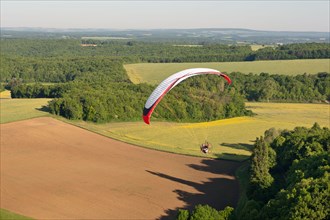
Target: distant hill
209, 35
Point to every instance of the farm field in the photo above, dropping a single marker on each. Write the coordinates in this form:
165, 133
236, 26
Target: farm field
231, 138
154, 73
256, 47
5, 94
53, 170
20, 109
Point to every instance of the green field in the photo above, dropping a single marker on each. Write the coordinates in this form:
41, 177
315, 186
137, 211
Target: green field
6, 215
20, 109
155, 72
230, 138
256, 47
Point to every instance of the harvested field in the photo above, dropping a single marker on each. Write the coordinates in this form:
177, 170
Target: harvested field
53, 170
231, 138
154, 73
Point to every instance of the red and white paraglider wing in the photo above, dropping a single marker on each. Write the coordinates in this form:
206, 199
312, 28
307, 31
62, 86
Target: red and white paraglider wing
170, 83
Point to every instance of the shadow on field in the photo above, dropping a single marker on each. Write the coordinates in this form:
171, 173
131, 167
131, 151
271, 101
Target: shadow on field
242, 146
228, 156
216, 192
43, 108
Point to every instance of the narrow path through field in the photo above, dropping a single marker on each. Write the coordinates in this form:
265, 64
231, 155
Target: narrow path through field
53, 170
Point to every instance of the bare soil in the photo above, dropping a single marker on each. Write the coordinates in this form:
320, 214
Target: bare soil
53, 170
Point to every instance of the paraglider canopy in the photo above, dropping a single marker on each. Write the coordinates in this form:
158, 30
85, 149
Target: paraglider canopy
169, 83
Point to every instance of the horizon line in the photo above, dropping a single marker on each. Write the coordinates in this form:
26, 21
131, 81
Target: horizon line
150, 29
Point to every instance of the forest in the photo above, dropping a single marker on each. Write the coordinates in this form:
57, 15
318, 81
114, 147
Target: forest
289, 175
52, 51
288, 178
307, 88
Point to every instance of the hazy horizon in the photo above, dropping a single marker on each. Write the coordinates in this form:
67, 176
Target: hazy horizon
296, 16
151, 29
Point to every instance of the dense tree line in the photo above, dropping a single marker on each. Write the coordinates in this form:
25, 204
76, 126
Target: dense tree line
289, 176
289, 179
205, 212
294, 51
129, 51
34, 69
283, 88
156, 52
38, 90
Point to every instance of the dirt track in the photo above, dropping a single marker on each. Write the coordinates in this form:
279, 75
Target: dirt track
53, 170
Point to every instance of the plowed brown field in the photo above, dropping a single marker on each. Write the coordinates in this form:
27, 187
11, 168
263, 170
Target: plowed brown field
53, 170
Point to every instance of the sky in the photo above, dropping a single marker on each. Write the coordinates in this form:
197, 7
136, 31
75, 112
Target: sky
270, 15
